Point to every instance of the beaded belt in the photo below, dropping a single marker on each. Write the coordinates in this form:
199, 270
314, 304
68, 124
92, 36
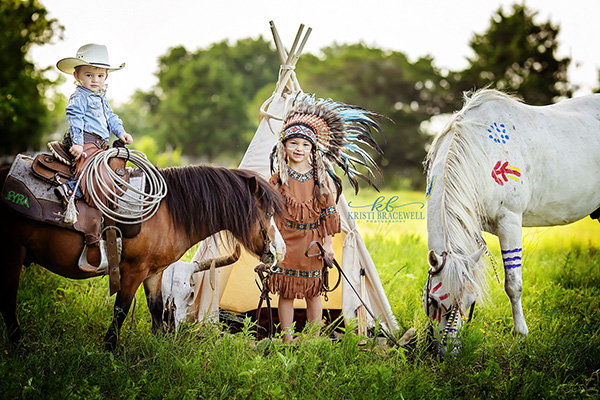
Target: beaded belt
301, 227
295, 272
327, 211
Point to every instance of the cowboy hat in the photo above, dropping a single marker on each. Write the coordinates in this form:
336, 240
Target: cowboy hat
95, 55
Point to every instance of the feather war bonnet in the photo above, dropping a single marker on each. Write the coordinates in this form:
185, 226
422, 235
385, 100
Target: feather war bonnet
336, 131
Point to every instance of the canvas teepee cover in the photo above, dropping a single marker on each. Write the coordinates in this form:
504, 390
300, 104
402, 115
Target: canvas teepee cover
233, 288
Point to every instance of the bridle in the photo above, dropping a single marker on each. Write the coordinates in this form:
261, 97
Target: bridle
455, 311
431, 273
267, 257
264, 271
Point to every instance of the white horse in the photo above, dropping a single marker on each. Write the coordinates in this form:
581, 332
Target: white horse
500, 165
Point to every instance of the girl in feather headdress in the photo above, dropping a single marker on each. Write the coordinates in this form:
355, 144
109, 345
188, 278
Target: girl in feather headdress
315, 133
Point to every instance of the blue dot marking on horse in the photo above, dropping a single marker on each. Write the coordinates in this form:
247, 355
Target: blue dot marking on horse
497, 133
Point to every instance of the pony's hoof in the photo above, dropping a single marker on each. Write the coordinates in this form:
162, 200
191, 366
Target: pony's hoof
15, 336
520, 331
519, 336
110, 343
110, 346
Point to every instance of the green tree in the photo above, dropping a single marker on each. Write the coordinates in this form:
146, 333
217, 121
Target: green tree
388, 83
23, 111
201, 98
517, 55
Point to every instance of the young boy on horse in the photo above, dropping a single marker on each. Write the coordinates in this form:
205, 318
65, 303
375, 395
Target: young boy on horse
91, 122
91, 119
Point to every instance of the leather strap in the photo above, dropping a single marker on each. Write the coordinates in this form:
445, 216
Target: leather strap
263, 274
114, 273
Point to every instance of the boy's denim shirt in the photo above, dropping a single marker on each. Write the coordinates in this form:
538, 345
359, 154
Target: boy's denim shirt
90, 112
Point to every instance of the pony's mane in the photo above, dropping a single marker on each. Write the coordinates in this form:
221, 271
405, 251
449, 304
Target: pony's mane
461, 211
201, 197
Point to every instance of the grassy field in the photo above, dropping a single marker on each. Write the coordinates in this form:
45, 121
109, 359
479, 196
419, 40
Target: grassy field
62, 355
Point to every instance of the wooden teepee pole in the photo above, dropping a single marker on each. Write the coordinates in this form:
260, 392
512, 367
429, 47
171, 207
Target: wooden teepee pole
278, 44
289, 61
287, 77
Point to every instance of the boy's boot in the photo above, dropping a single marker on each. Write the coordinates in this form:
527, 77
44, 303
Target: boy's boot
64, 193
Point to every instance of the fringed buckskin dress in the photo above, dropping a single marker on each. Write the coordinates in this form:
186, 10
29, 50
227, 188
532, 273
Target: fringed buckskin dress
304, 221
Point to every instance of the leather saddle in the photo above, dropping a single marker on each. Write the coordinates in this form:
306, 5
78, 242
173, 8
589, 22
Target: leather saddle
29, 191
60, 151
49, 169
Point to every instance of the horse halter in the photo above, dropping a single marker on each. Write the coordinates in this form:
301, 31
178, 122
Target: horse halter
267, 256
431, 273
434, 272
455, 312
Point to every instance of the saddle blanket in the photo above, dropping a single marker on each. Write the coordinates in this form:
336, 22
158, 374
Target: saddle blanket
32, 197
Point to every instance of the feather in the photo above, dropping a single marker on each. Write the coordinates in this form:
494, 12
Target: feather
343, 134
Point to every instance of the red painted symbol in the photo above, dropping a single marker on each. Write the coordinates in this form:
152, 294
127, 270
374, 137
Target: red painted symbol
502, 172
437, 314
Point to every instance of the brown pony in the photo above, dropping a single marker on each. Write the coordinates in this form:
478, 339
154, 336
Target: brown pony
201, 201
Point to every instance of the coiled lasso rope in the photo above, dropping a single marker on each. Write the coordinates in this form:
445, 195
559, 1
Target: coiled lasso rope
131, 205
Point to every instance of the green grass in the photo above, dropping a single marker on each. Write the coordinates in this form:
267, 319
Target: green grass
62, 356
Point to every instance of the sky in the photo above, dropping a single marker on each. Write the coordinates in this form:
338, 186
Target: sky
138, 32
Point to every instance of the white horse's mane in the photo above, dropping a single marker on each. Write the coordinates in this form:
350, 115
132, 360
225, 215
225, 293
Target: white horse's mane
461, 211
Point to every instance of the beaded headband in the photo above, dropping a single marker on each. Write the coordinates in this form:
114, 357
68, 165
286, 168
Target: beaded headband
308, 126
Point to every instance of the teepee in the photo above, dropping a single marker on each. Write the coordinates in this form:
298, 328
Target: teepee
233, 288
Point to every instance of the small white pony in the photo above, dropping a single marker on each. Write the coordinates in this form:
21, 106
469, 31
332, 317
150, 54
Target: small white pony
497, 166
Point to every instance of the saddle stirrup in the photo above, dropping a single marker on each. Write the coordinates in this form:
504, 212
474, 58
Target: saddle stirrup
84, 265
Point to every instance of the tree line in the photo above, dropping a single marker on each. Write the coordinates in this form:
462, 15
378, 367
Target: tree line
205, 104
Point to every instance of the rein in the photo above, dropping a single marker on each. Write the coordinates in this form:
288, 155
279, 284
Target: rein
266, 256
264, 273
330, 263
326, 267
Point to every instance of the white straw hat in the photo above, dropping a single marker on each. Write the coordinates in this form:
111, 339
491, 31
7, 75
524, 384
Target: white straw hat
95, 55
